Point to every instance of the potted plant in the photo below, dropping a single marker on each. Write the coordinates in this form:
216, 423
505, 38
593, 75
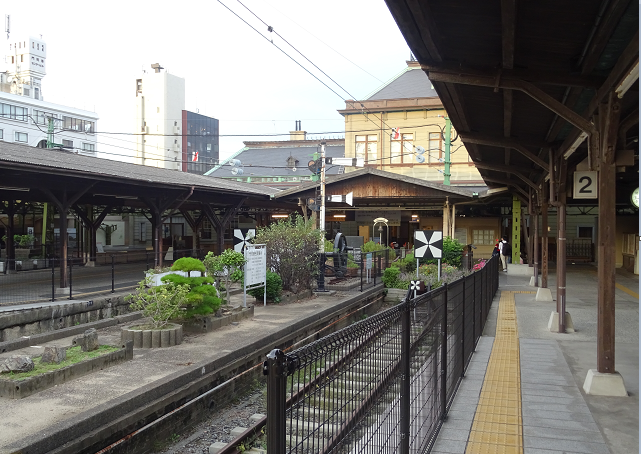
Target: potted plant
23, 245
160, 303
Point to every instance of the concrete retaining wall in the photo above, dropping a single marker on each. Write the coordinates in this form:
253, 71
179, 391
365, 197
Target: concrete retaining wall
18, 389
188, 395
29, 321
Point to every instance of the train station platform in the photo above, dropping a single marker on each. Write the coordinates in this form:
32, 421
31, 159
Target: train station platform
523, 390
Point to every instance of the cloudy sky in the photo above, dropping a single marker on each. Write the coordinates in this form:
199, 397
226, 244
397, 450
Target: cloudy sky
95, 53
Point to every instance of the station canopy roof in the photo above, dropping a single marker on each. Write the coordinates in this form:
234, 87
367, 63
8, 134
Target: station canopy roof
519, 79
25, 172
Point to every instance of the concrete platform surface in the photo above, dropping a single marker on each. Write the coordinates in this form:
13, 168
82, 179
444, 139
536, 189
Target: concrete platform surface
558, 416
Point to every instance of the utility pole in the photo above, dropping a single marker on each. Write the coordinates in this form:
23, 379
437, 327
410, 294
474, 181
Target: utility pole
322, 209
448, 137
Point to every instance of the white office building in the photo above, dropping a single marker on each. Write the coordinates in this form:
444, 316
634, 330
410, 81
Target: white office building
160, 101
25, 116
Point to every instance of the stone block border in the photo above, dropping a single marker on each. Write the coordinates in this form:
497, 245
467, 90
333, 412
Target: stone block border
158, 338
18, 389
211, 323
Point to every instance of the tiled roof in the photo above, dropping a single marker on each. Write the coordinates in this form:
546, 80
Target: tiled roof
68, 163
272, 162
413, 83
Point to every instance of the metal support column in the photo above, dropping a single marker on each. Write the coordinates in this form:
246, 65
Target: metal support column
561, 245
544, 237
275, 370
534, 219
516, 229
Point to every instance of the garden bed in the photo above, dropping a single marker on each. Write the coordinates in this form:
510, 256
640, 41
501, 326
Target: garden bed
145, 337
77, 364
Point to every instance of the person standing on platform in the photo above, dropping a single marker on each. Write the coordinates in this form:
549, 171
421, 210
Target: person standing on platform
505, 250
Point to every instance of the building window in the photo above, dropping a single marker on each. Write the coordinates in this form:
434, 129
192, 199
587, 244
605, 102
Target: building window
366, 148
435, 150
206, 230
88, 147
21, 58
483, 237
1, 134
26, 92
22, 137
14, 112
67, 143
41, 117
76, 124
401, 149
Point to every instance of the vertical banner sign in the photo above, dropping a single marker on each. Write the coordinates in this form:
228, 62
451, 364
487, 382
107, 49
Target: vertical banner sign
255, 270
516, 230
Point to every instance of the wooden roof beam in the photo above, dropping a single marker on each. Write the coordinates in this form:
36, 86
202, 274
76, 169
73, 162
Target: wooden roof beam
532, 76
526, 87
507, 183
508, 20
508, 169
505, 143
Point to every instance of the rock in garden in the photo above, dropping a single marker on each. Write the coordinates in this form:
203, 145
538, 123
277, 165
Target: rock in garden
17, 363
89, 341
54, 355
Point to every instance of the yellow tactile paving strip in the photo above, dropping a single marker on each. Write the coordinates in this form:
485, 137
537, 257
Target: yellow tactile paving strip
498, 425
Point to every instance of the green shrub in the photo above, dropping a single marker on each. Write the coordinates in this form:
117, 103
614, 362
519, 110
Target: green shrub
390, 276
161, 303
371, 246
452, 252
188, 264
224, 264
274, 288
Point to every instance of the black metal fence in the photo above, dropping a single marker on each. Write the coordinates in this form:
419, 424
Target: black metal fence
382, 385
33, 280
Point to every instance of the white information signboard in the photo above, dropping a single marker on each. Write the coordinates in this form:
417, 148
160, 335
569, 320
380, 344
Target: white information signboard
585, 184
255, 270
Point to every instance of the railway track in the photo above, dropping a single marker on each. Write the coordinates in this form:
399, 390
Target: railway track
338, 401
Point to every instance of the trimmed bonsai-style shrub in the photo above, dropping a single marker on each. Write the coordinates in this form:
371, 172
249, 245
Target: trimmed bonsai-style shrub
224, 265
188, 264
23, 241
203, 297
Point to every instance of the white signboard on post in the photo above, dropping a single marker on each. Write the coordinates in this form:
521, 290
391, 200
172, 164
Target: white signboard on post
255, 270
585, 184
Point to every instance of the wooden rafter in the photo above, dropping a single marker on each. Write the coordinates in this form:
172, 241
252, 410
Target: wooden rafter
506, 182
504, 143
508, 170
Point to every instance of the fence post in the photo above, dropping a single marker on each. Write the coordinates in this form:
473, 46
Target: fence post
146, 261
113, 274
474, 310
405, 378
275, 370
444, 356
53, 280
70, 279
362, 269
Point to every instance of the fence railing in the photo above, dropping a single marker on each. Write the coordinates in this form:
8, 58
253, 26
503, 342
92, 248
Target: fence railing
33, 280
384, 384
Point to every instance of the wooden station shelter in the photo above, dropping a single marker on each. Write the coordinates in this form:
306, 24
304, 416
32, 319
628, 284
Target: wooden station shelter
91, 188
539, 91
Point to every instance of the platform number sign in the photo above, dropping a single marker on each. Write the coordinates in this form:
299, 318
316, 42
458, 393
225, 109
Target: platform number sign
428, 244
585, 184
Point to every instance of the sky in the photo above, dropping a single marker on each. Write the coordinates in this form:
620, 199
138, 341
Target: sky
232, 73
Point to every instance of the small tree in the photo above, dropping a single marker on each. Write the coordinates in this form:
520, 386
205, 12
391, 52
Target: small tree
224, 264
292, 251
161, 303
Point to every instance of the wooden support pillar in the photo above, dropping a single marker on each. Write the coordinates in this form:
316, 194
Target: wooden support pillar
221, 224
534, 222
610, 112
92, 224
11, 253
544, 236
561, 244
195, 225
64, 201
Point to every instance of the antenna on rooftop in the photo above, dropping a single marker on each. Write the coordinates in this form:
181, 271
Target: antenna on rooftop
6, 23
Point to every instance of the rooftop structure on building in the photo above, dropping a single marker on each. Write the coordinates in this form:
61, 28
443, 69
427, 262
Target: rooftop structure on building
24, 115
167, 135
279, 164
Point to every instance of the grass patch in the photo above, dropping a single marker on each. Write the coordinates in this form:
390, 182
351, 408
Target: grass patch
74, 355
